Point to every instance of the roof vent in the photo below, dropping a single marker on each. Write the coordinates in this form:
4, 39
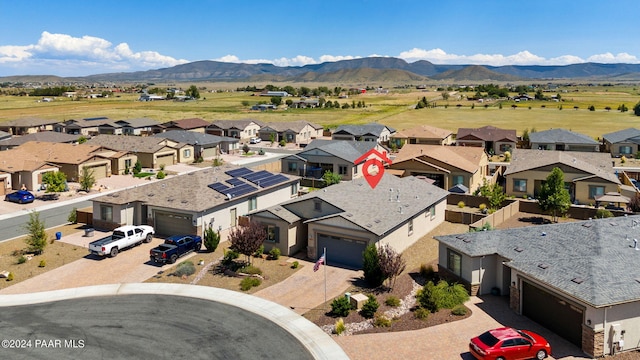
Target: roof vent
587, 224
400, 209
543, 266
635, 244
518, 249
544, 233
577, 280
348, 214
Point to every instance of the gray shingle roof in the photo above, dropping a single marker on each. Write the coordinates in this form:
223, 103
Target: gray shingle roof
46, 136
364, 129
376, 210
598, 251
235, 124
560, 136
622, 135
145, 144
295, 126
191, 137
599, 164
343, 149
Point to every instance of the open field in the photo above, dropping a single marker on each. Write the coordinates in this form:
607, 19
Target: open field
395, 109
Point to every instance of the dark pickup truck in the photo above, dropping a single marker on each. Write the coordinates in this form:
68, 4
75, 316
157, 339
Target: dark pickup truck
174, 247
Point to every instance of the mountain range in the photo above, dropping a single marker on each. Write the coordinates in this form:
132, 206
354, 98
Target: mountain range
370, 69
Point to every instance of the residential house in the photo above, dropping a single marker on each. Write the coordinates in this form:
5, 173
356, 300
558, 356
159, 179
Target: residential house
305, 104
188, 204
492, 139
275, 93
204, 145
298, 132
20, 169
4, 135
562, 140
85, 127
586, 175
578, 279
447, 166
27, 125
192, 124
44, 136
622, 143
365, 132
423, 134
336, 156
343, 219
239, 129
141, 126
71, 159
150, 151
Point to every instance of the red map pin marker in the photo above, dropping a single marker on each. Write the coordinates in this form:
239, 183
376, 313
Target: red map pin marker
373, 171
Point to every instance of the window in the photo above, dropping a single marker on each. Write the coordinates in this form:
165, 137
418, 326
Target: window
595, 191
127, 163
410, 226
273, 233
106, 213
253, 203
294, 189
625, 150
342, 169
458, 179
186, 153
355, 169
292, 166
505, 147
432, 212
520, 185
454, 261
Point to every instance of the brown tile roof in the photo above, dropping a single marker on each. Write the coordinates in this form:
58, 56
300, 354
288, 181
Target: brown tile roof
144, 144
423, 132
187, 124
466, 158
57, 153
487, 133
598, 164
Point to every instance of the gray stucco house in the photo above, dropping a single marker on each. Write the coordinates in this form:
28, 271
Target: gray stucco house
622, 143
562, 140
579, 279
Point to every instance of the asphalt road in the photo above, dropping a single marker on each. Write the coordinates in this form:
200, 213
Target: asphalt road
14, 226
142, 327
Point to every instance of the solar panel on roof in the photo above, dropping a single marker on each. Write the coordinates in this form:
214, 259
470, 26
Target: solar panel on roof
241, 190
273, 180
235, 182
257, 176
219, 187
239, 172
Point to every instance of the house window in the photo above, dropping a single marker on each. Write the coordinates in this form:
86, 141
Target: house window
294, 189
292, 166
317, 205
454, 262
253, 203
355, 169
520, 185
505, 147
458, 179
432, 212
410, 226
106, 213
273, 234
187, 153
342, 169
595, 191
127, 163
626, 150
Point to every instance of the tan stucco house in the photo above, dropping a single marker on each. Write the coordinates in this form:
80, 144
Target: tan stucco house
494, 140
240, 129
298, 132
27, 125
622, 143
152, 152
423, 135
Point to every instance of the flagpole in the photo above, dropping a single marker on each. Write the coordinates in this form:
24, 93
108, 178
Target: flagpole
325, 276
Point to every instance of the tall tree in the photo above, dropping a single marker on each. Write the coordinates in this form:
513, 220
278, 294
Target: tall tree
554, 197
37, 237
193, 92
87, 179
247, 239
56, 181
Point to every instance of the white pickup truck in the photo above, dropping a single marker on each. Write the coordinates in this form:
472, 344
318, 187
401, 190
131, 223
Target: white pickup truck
121, 238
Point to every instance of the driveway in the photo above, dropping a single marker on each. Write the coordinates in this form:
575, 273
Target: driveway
305, 290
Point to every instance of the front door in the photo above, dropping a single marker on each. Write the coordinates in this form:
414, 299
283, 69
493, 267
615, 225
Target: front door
234, 217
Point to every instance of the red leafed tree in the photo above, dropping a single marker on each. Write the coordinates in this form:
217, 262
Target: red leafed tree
391, 264
247, 239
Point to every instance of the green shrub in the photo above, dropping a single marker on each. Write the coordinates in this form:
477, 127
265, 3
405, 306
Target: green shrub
160, 175
251, 270
22, 259
43, 263
259, 252
229, 256
459, 310
340, 306
371, 266
482, 207
295, 265
441, 296
10, 277
249, 282
370, 307
382, 321
421, 313
603, 213
185, 268
427, 271
461, 204
392, 301
261, 152
340, 327
73, 216
274, 253
211, 239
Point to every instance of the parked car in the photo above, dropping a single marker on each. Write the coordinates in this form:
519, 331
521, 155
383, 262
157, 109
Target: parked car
255, 140
20, 197
174, 247
123, 237
509, 343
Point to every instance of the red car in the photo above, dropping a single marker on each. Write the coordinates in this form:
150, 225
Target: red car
509, 344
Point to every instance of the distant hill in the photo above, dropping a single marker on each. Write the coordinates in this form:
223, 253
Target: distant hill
371, 69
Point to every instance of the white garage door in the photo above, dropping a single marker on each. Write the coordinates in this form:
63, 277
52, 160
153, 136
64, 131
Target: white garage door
165, 160
173, 224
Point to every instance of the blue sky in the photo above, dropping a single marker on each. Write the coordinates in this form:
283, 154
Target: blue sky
76, 38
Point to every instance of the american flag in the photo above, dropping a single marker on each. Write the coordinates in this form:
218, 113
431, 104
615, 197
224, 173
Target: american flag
318, 263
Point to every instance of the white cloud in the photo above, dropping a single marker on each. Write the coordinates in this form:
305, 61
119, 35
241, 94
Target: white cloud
608, 58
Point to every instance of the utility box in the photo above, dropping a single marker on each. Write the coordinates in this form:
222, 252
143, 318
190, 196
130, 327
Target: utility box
357, 300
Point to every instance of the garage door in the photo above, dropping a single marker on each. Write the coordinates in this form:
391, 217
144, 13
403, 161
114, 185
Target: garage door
173, 224
209, 152
552, 312
99, 171
165, 160
341, 251
2, 187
